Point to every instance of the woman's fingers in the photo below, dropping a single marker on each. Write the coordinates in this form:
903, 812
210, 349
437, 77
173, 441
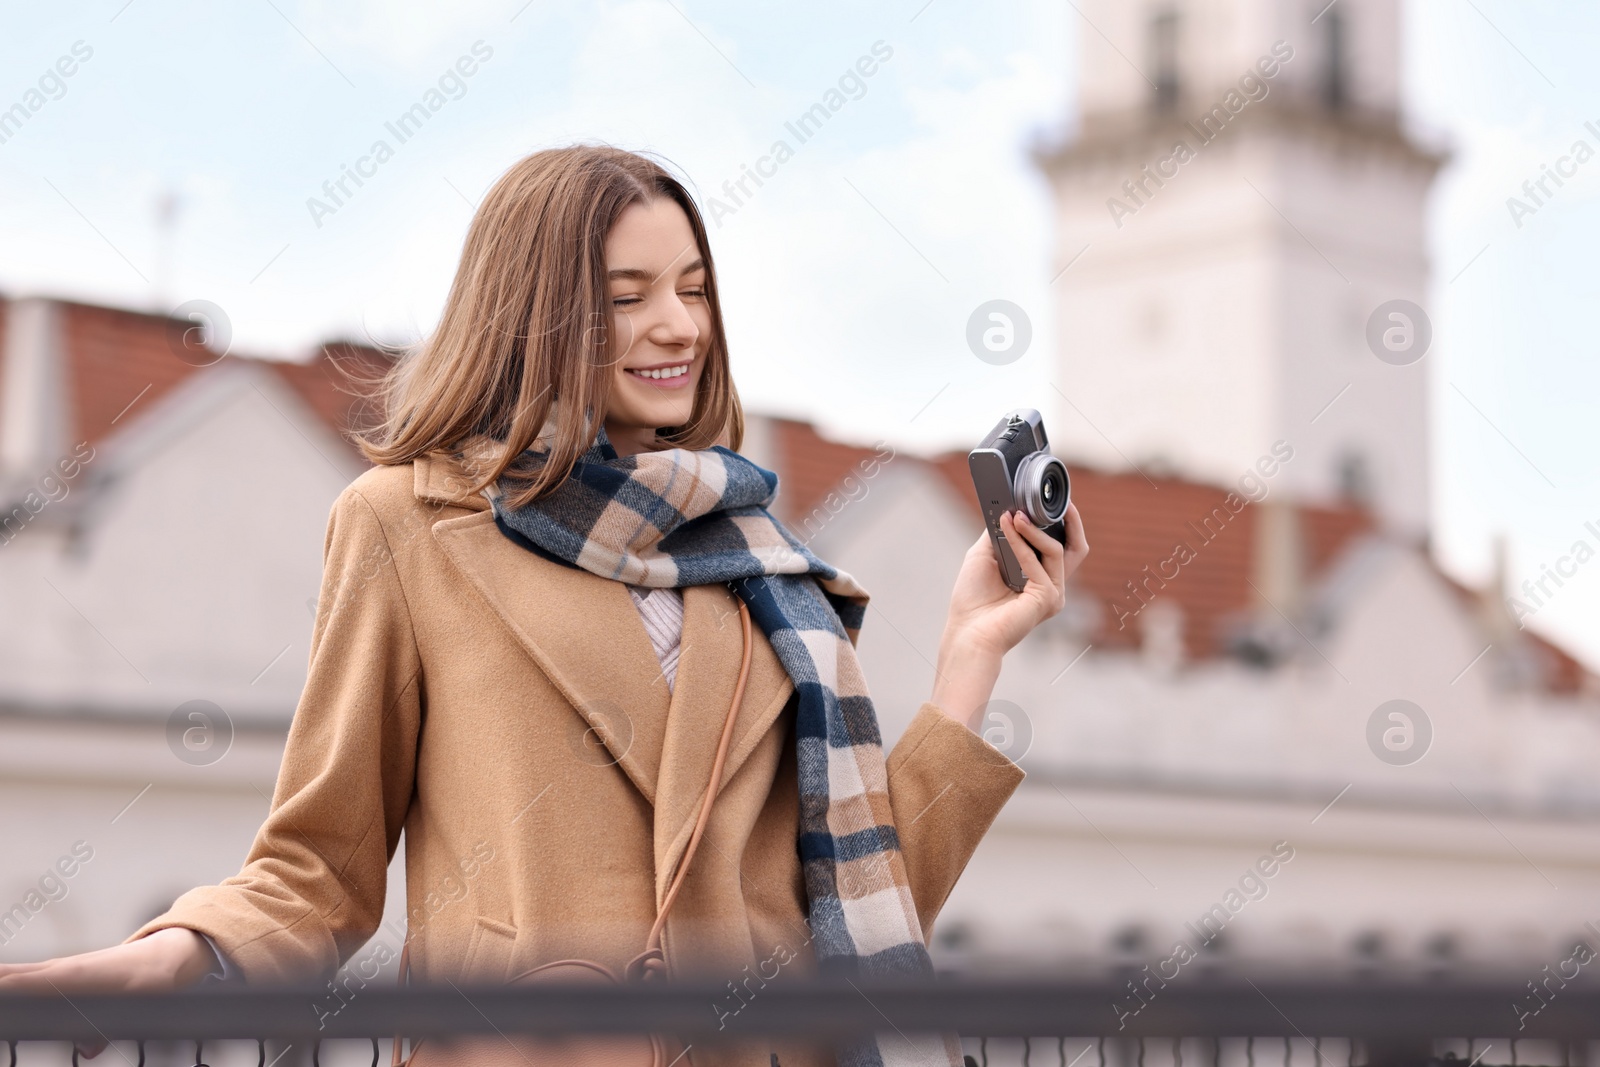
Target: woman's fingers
1048, 546
31, 977
1053, 555
9, 970
1029, 535
42, 977
1077, 540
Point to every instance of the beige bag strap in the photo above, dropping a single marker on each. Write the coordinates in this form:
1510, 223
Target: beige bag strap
395, 1058
651, 962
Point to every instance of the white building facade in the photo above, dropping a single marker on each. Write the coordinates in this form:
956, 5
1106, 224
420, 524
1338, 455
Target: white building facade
1226, 763
1237, 203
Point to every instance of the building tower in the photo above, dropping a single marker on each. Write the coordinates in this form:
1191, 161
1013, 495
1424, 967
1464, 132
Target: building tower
1238, 201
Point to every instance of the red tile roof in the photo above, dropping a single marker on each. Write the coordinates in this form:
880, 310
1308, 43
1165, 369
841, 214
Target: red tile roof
1135, 526
809, 467
1560, 672
119, 361
122, 361
333, 383
1133, 523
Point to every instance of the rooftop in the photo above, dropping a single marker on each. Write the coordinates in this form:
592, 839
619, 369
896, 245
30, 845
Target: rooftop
119, 362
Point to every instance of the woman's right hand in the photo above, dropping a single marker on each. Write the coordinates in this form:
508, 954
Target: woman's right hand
164, 960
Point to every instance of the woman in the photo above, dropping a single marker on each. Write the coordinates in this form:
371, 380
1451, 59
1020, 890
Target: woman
480, 678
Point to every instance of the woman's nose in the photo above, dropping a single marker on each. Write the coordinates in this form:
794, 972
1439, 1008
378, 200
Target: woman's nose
676, 326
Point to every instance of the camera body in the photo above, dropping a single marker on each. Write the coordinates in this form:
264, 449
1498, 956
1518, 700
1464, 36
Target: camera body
1012, 468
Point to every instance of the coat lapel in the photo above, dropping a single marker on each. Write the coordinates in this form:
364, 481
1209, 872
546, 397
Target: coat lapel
586, 636
708, 674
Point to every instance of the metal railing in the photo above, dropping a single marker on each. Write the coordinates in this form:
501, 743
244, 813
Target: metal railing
1237, 1021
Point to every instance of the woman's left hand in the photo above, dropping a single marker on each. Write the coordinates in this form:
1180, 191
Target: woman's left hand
985, 614
987, 619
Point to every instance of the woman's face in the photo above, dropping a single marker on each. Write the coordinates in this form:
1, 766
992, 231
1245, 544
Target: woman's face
660, 319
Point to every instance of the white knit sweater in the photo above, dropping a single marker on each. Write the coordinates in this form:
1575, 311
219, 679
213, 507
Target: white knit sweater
662, 613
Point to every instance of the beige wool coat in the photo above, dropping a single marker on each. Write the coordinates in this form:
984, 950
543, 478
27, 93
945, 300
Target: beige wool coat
509, 714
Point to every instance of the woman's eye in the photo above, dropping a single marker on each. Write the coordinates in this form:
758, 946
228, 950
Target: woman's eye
625, 301
694, 292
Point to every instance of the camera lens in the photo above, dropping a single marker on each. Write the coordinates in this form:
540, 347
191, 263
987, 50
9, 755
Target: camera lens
1042, 488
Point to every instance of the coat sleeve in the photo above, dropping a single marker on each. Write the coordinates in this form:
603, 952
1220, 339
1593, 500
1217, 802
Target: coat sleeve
311, 891
946, 786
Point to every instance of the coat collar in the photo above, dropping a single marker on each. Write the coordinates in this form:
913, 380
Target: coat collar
436, 479
585, 634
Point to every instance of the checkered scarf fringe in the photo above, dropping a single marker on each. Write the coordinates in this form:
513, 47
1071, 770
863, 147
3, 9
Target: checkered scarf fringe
681, 517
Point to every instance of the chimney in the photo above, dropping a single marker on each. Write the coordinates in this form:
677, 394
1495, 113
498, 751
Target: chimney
1513, 663
33, 408
1161, 636
1494, 612
1279, 556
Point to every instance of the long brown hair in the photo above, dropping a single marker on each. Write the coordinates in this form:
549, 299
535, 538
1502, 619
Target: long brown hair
524, 350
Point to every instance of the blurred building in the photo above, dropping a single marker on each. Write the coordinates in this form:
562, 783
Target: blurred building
1237, 198
1174, 729
1169, 753
1208, 727
162, 513
1269, 656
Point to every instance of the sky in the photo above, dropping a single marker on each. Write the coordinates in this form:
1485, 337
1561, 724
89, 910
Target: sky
848, 276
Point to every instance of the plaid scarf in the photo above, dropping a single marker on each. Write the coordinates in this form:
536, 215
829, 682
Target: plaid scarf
682, 517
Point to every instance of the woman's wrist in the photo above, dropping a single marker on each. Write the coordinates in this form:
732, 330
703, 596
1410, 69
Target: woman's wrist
186, 957
964, 679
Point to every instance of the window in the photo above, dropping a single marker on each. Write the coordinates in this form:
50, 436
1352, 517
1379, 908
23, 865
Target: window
1129, 940
1163, 48
1354, 477
1335, 60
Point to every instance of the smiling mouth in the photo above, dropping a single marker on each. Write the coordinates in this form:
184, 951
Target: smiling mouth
671, 377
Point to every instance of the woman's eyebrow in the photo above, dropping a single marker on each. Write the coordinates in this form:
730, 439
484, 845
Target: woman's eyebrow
640, 274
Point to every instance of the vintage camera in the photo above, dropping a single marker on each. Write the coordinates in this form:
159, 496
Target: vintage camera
1013, 468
